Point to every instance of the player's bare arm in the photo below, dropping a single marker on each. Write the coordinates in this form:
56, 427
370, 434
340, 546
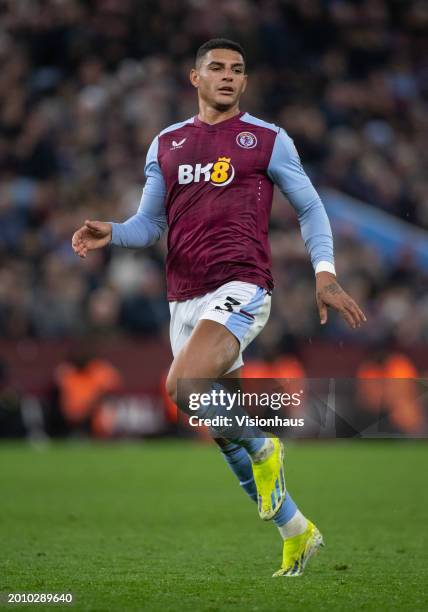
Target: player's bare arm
330, 294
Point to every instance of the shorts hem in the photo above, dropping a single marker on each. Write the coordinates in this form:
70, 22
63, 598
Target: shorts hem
264, 283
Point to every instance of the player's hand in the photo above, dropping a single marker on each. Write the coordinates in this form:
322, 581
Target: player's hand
330, 293
92, 235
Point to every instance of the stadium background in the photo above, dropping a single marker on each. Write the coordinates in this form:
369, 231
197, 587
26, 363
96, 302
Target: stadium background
84, 87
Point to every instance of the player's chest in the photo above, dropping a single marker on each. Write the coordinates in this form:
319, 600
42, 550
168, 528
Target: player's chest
217, 158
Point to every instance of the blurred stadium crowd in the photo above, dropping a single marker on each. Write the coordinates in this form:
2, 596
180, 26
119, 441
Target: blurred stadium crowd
86, 85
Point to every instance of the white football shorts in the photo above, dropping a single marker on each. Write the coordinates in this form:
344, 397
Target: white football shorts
241, 307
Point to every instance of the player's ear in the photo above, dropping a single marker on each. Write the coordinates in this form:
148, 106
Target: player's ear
194, 77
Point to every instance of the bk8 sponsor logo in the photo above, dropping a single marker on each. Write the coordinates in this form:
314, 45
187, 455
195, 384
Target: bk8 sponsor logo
219, 173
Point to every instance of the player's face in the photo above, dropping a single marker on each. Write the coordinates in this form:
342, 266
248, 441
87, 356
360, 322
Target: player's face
220, 78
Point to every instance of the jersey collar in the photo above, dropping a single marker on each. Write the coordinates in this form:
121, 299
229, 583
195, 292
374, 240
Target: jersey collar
218, 125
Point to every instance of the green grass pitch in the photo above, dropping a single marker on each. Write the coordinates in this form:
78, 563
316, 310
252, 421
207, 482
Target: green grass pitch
164, 526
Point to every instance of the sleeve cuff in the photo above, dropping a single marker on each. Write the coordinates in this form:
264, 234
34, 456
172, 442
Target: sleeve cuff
325, 266
114, 237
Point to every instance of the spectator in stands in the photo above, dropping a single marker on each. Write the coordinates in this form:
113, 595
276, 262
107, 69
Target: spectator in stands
83, 384
84, 87
388, 387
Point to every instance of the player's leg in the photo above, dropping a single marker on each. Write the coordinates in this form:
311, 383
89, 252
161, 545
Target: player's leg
237, 457
211, 352
225, 322
244, 309
208, 354
301, 538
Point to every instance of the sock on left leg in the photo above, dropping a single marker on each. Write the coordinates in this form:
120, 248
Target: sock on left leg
289, 520
255, 447
240, 464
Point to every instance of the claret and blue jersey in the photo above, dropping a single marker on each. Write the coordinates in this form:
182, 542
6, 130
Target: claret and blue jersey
212, 186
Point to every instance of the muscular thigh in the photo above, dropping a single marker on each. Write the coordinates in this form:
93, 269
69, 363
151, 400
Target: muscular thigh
209, 352
209, 333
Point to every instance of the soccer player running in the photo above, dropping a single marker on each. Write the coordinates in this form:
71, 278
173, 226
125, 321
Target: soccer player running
210, 180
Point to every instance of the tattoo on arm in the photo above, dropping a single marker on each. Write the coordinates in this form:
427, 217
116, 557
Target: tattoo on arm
332, 288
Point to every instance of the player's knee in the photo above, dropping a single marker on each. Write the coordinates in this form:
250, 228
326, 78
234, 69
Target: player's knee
178, 391
181, 387
178, 385
171, 387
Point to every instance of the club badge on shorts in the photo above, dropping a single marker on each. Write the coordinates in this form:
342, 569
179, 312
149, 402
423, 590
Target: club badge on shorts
246, 140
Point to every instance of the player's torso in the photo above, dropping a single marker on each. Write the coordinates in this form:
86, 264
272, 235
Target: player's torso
215, 169
218, 202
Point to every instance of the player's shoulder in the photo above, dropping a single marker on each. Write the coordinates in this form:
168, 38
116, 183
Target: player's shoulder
246, 118
172, 137
177, 126
279, 135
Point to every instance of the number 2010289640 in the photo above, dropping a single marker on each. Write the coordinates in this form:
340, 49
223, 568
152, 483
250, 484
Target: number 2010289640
32, 598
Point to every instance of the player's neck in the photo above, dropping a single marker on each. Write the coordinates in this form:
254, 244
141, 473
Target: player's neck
211, 115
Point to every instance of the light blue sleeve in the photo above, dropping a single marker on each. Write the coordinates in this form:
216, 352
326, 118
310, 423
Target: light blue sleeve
148, 224
286, 171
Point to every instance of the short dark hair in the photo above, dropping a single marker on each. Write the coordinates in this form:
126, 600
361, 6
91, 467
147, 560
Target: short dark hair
218, 43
